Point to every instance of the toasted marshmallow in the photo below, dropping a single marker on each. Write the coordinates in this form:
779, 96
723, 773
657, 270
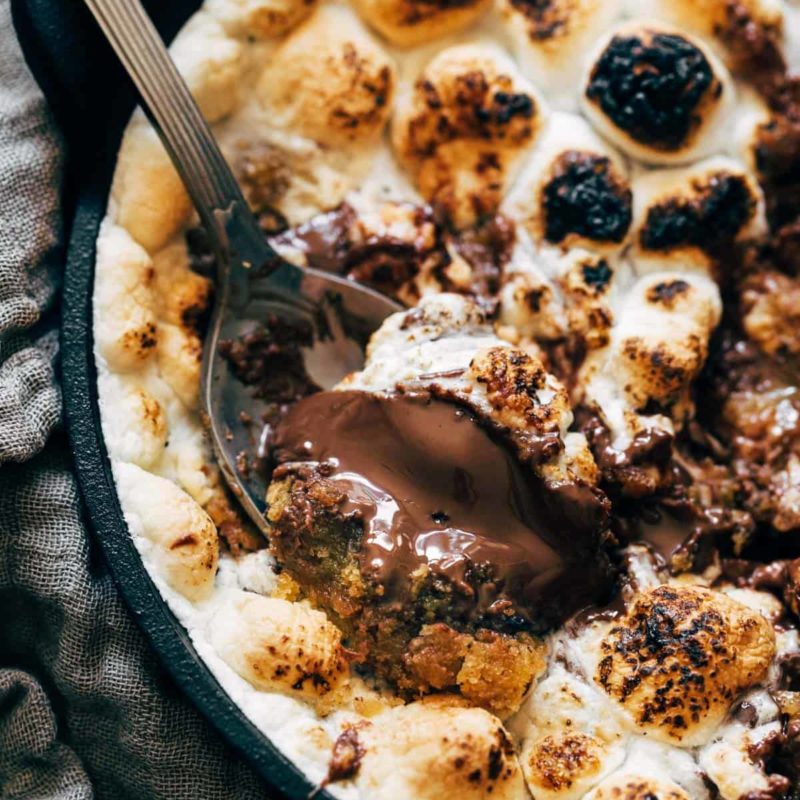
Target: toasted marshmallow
567, 745
182, 540
462, 127
408, 22
429, 750
706, 17
528, 299
529, 306
211, 63
447, 342
574, 191
564, 767
550, 41
680, 657
339, 97
730, 763
148, 198
180, 353
683, 216
126, 327
658, 346
764, 603
587, 286
626, 786
659, 95
280, 646
181, 296
260, 18
440, 335
520, 391
137, 430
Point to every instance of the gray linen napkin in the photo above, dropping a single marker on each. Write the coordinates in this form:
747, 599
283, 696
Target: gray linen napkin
85, 711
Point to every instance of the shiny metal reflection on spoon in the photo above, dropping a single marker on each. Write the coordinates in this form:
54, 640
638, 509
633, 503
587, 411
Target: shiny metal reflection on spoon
253, 281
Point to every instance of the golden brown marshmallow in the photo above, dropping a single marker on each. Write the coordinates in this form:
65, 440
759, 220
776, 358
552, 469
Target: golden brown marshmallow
679, 658
586, 285
514, 382
211, 63
277, 645
137, 430
180, 353
563, 766
126, 326
181, 296
429, 750
148, 197
462, 127
686, 216
260, 18
343, 94
658, 345
412, 22
183, 539
550, 40
574, 191
633, 787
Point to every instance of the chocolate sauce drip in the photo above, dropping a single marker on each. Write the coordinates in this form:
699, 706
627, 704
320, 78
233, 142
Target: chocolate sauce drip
436, 492
324, 239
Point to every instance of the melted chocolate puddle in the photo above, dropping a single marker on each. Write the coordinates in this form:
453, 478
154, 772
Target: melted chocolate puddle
435, 490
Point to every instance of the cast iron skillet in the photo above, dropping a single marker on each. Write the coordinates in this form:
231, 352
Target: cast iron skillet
92, 101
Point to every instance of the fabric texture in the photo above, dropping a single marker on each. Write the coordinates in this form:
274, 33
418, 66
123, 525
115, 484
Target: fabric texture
85, 709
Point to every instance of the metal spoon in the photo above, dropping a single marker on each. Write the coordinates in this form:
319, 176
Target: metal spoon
253, 281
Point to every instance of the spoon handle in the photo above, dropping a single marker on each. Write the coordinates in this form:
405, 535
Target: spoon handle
183, 130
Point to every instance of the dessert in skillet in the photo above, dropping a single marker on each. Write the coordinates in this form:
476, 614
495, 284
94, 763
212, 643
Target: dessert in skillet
546, 542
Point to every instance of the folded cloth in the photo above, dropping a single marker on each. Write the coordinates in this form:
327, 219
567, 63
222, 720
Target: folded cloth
85, 711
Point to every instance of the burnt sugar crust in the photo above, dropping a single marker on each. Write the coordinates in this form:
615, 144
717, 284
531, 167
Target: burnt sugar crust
590, 210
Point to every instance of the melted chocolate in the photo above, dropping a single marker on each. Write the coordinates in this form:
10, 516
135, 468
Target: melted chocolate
436, 492
715, 216
324, 239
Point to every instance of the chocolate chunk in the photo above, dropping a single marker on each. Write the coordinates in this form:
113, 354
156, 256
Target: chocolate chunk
270, 358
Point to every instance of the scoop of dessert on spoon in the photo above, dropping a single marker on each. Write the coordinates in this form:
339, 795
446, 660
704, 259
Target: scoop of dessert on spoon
257, 292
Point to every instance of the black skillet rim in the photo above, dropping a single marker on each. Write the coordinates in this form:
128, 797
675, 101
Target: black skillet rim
43, 27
